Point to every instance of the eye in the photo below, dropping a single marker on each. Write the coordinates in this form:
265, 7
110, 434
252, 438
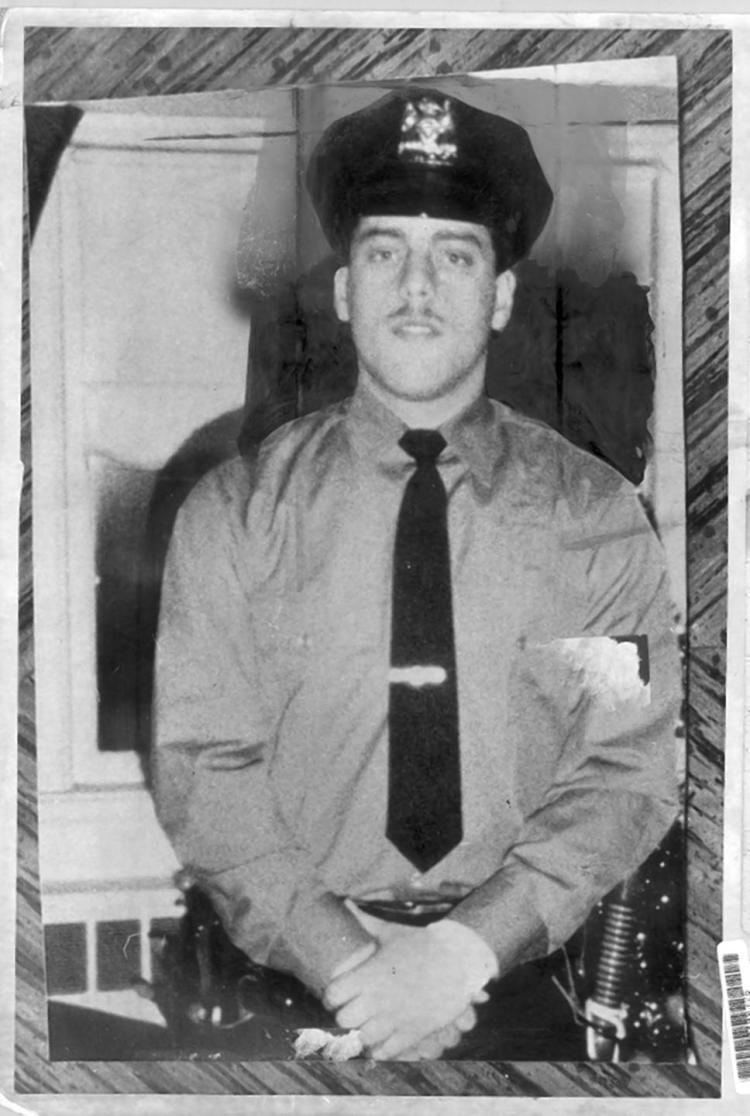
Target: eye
381, 253
459, 258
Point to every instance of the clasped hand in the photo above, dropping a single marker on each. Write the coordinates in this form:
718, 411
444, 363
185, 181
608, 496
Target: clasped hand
411, 998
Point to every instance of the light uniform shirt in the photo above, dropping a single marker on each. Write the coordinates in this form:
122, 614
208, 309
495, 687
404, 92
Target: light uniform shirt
271, 755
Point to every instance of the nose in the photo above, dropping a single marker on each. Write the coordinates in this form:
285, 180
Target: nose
417, 275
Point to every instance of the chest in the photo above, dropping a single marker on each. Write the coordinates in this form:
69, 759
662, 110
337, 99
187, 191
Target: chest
326, 603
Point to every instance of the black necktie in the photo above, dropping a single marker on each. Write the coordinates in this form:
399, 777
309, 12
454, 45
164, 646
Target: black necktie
424, 776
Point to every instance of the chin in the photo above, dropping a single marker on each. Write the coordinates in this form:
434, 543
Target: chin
417, 380
422, 388
417, 392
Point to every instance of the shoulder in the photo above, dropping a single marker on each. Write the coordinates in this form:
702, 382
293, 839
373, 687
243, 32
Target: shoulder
219, 492
303, 437
557, 471
209, 521
603, 537
250, 486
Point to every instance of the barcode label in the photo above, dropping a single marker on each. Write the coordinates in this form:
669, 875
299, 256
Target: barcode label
735, 985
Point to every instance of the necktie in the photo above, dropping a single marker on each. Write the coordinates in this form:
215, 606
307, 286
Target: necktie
424, 774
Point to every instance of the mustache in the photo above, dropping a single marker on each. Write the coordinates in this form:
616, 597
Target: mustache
406, 315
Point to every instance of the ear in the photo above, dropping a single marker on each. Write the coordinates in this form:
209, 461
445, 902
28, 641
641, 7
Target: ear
341, 294
505, 289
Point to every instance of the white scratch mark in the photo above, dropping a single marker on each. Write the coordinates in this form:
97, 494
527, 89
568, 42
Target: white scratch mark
418, 676
127, 942
610, 670
336, 1048
310, 1041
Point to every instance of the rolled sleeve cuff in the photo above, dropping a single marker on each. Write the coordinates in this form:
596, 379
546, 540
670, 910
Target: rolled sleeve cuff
318, 938
503, 914
311, 938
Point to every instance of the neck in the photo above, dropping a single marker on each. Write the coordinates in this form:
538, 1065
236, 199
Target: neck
428, 414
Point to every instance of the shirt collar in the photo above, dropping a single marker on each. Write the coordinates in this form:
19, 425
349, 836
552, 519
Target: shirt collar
471, 434
373, 427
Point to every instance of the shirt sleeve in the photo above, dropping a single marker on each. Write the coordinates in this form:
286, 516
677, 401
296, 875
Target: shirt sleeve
614, 793
210, 764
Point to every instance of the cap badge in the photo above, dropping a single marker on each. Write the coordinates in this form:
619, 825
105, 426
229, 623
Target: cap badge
428, 132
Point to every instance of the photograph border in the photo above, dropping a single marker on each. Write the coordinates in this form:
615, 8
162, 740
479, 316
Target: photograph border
705, 110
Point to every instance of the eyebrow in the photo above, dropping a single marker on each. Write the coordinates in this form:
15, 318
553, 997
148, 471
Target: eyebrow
378, 230
440, 235
459, 234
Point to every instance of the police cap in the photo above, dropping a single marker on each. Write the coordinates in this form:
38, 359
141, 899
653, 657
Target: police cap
417, 152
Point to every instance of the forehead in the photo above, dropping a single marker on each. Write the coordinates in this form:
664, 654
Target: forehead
422, 228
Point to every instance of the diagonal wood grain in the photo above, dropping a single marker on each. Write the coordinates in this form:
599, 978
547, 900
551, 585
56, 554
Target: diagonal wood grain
82, 63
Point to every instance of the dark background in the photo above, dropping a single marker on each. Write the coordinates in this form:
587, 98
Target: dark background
70, 63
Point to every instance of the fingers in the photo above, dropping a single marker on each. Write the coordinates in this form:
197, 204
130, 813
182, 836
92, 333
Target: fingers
398, 1047
375, 1031
341, 990
407, 992
354, 1015
413, 1054
466, 1020
354, 959
355, 981
381, 1035
392, 1047
424, 1052
443, 1040
435, 1045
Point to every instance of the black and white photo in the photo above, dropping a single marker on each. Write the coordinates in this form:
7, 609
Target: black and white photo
362, 614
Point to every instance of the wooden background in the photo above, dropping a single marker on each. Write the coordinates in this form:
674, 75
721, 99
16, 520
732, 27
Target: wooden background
76, 63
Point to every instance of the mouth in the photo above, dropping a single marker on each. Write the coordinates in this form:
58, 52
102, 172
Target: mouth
415, 327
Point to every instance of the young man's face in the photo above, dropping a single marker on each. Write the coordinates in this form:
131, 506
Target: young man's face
422, 295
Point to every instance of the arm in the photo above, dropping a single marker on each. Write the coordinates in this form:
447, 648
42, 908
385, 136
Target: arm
615, 790
211, 784
612, 798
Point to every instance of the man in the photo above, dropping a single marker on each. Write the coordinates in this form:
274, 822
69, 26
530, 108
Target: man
417, 645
